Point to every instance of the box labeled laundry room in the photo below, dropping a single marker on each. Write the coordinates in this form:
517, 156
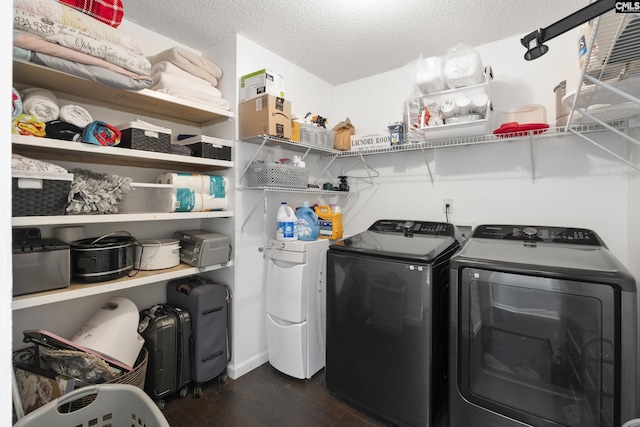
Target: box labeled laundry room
368, 142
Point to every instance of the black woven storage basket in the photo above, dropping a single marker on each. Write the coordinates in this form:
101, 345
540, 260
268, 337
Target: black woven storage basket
138, 139
51, 199
209, 151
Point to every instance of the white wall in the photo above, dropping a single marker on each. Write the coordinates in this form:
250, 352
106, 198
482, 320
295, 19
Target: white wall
255, 217
556, 181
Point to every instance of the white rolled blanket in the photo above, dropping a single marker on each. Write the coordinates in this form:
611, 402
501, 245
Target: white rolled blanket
41, 103
76, 115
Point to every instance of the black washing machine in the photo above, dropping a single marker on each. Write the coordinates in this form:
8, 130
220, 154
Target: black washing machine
543, 330
387, 319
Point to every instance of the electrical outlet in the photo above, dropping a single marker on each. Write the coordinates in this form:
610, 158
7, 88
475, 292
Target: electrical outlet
447, 206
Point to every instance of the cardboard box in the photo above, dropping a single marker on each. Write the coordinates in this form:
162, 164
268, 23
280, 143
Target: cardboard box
261, 82
368, 142
265, 115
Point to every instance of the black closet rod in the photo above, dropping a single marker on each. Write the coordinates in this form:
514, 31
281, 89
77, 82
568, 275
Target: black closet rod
562, 26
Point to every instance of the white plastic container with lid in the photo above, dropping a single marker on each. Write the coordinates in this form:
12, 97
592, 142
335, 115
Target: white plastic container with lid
287, 223
157, 254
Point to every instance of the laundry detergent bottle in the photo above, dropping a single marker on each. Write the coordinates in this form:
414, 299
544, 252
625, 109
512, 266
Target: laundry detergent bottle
287, 223
308, 227
330, 221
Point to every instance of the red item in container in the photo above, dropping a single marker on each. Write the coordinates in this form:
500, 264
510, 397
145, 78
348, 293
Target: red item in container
520, 129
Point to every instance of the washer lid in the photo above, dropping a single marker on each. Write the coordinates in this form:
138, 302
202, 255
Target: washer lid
409, 240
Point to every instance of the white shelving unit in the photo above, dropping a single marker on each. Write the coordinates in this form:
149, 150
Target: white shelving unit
77, 290
161, 106
609, 88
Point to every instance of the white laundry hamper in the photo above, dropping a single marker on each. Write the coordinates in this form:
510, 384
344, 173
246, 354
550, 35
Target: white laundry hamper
113, 405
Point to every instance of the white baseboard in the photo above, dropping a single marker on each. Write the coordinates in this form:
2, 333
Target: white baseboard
236, 370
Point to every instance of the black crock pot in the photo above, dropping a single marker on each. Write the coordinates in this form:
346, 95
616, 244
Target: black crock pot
97, 259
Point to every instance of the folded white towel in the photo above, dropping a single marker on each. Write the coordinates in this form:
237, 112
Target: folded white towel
170, 68
172, 81
209, 102
76, 115
191, 62
41, 103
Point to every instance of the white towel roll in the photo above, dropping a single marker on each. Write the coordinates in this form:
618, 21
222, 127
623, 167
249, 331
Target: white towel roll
212, 203
41, 103
76, 115
186, 200
192, 181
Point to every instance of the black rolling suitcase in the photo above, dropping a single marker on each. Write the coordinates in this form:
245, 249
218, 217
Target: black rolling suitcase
167, 334
208, 303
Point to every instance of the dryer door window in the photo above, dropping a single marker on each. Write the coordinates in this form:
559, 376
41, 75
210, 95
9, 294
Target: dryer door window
537, 348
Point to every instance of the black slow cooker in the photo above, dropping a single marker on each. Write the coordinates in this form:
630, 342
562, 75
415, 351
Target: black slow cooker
107, 257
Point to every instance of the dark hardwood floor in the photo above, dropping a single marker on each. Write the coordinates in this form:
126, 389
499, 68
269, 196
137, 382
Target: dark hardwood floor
266, 397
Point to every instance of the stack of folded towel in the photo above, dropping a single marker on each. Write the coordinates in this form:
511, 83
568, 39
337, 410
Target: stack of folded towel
184, 74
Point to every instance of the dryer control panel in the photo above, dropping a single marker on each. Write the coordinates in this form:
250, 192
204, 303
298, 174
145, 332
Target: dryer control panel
536, 233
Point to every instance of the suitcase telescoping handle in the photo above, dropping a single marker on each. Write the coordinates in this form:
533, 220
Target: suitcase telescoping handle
185, 288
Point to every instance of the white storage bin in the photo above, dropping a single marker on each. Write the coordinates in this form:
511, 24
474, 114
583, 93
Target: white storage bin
145, 197
470, 123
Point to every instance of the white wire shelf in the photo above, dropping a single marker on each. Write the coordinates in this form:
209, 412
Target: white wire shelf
298, 190
272, 141
609, 87
552, 132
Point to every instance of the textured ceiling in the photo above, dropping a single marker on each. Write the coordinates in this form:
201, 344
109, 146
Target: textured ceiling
345, 40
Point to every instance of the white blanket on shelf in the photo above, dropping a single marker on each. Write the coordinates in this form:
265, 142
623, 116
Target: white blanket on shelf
190, 62
167, 67
185, 85
209, 102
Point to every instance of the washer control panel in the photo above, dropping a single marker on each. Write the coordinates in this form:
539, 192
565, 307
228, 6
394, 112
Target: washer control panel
414, 227
535, 233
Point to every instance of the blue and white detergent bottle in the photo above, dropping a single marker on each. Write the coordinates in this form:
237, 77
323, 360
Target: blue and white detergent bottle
308, 227
287, 223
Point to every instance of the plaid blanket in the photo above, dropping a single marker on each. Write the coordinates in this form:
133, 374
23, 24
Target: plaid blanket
108, 11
